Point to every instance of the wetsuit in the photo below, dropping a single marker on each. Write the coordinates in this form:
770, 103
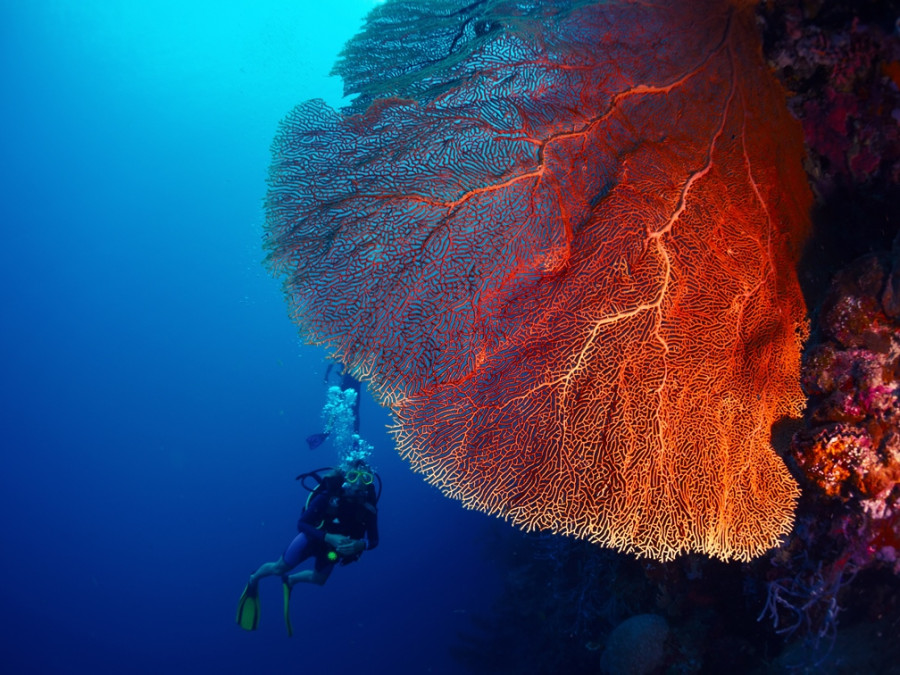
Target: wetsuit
332, 514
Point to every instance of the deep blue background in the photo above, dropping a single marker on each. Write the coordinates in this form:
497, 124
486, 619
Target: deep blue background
155, 396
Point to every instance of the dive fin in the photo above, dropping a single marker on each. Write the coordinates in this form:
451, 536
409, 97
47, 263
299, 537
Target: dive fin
287, 608
316, 440
248, 608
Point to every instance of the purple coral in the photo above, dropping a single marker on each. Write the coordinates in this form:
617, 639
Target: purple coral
852, 446
849, 452
845, 81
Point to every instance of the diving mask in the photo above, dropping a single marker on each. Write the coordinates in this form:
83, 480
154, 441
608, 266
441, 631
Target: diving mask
354, 475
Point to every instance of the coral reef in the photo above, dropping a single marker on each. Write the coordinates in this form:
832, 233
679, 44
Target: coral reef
849, 452
842, 63
636, 646
828, 599
564, 601
851, 446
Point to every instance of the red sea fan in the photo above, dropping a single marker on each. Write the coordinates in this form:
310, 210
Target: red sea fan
558, 239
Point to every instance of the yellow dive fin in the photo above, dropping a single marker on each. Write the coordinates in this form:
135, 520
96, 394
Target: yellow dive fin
287, 608
248, 608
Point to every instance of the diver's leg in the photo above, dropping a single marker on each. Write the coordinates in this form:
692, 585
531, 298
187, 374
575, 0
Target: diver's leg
317, 576
268, 569
295, 553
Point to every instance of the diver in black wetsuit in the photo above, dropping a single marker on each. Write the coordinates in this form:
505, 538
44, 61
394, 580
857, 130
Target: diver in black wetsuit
338, 524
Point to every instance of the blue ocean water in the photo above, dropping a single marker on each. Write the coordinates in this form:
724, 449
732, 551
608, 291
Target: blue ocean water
155, 394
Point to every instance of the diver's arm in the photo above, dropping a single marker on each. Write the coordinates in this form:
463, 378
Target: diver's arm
313, 517
346, 546
337, 541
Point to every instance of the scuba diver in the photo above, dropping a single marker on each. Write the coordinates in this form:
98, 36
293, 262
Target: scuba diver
339, 522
